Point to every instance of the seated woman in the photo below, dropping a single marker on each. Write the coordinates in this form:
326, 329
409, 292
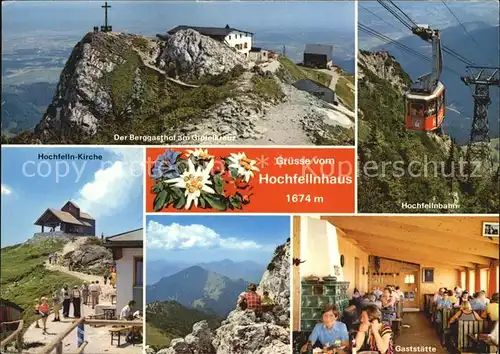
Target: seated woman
463, 297
373, 335
388, 306
464, 314
330, 332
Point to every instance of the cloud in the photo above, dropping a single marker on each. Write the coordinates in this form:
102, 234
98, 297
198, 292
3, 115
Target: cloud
114, 184
176, 236
6, 190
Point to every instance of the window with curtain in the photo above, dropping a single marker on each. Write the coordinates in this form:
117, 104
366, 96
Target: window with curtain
409, 279
138, 272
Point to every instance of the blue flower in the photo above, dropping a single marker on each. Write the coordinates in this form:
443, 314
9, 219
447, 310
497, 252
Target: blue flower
165, 166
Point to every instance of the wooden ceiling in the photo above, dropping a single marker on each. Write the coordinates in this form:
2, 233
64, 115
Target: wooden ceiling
447, 241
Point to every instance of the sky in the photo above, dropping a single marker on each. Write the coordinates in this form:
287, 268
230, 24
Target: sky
211, 238
111, 190
150, 18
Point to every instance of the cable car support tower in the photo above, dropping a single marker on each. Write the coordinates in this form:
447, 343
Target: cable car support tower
478, 149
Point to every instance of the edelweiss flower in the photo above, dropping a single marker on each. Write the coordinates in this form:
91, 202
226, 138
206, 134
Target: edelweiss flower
200, 154
243, 164
194, 181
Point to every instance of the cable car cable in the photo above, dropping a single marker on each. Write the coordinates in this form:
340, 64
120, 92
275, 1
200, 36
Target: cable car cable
465, 30
406, 24
384, 38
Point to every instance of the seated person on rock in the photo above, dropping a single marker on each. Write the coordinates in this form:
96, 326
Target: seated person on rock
330, 332
250, 299
267, 302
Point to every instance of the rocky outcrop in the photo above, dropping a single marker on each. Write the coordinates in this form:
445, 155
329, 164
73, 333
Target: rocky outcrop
191, 56
243, 332
385, 66
185, 87
82, 97
276, 280
89, 258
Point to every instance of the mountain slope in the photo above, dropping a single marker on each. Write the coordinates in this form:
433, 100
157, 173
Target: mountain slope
398, 166
198, 288
188, 85
24, 277
248, 270
168, 320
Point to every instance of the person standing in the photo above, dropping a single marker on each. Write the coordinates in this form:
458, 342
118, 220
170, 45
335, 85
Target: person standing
76, 297
44, 312
94, 294
106, 276
37, 312
112, 278
66, 296
85, 293
56, 302
99, 291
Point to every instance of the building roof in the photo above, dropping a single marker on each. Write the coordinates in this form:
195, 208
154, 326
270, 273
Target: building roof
309, 85
82, 214
134, 235
208, 31
257, 49
8, 303
62, 216
321, 49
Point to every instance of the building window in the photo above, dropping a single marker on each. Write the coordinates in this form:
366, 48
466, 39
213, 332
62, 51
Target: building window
484, 277
410, 279
245, 45
463, 284
138, 271
229, 37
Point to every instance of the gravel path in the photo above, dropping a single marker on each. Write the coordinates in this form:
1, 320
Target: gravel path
98, 337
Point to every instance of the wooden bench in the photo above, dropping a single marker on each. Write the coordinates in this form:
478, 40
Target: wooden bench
465, 328
442, 328
428, 304
117, 332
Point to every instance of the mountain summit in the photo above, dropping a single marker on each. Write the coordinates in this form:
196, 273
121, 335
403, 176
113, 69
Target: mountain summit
185, 85
198, 288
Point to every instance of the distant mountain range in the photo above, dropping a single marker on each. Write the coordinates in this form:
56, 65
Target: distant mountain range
168, 320
458, 95
247, 270
198, 288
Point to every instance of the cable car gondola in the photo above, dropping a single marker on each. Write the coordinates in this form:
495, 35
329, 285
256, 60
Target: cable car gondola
425, 100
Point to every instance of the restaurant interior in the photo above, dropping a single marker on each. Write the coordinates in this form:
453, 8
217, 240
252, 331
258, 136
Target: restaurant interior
344, 260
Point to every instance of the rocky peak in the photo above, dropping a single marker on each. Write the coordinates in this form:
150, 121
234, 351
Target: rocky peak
276, 278
385, 67
191, 56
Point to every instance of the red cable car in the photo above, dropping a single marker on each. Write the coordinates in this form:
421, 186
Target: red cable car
425, 101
